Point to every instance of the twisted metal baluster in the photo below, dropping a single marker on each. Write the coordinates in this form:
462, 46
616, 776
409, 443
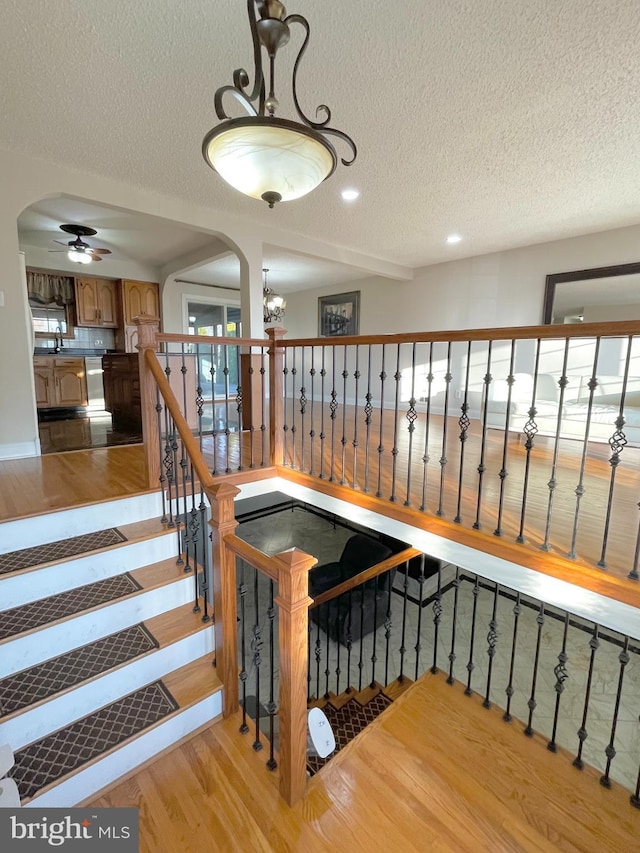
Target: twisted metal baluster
343, 440
271, 707
492, 638
488, 378
339, 610
594, 645
285, 426
303, 409
517, 610
368, 412
383, 376
225, 372
294, 429
425, 456
309, 676
610, 751
394, 450
205, 584
464, 423
530, 430
374, 657
312, 431
387, 629
239, 406
412, 417
214, 425
349, 641
333, 413
323, 373
553, 483
504, 472
242, 591
443, 458
531, 704
454, 625
580, 490
437, 616
193, 538
256, 648
418, 645
361, 660
471, 665
318, 656
405, 599
354, 443
617, 443
327, 670
167, 462
561, 674
252, 428
162, 478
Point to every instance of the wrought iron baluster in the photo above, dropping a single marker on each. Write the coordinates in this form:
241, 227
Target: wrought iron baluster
617, 443
309, 676
167, 462
339, 609
242, 590
349, 640
256, 648
531, 704
214, 417
394, 450
271, 707
504, 471
492, 639
323, 373
312, 431
354, 443
517, 610
383, 376
361, 659
425, 456
318, 655
635, 797
343, 440
303, 409
454, 625
294, 429
488, 378
193, 538
327, 670
610, 751
470, 663
418, 645
553, 483
594, 645
412, 417
333, 413
530, 430
437, 617
263, 426
285, 425
225, 372
464, 423
387, 628
239, 409
374, 657
199, 395
205, 582
252, 429
443, 458
405, 599
368, 412
561, 674
580, 489
162, 478
633, 574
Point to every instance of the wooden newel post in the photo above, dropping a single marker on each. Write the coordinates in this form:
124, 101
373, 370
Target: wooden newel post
293, 601
148, 328
276, 395
225, 610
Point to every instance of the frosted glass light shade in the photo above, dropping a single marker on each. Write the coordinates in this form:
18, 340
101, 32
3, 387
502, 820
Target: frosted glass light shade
79, 257
260, 157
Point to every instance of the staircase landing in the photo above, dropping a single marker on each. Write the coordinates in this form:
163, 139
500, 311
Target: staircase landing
436, 771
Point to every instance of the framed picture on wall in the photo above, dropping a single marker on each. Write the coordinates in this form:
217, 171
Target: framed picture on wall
339, 314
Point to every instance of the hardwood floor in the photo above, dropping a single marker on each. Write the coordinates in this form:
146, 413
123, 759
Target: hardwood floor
60, 480
436, 771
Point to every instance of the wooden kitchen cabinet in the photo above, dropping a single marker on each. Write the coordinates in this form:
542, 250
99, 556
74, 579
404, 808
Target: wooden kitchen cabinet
138, 297
97, 302
60, 382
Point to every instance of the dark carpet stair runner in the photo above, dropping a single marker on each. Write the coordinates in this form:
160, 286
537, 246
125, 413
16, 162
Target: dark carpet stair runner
348, 715
52, 757
14, 561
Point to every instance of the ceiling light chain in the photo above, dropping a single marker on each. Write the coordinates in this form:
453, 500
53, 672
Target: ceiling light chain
273, 304
262, 156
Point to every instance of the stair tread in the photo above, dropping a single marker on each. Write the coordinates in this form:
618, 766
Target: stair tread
55, 757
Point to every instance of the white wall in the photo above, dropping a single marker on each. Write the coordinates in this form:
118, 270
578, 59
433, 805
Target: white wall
172, 300
111, 267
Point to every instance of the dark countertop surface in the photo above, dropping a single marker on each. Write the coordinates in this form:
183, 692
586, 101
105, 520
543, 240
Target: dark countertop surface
73, 352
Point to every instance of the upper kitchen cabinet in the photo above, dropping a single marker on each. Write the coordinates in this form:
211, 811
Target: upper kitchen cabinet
97, 302
139, 297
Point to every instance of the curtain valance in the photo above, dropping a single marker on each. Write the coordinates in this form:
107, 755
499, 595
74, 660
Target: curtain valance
45, 288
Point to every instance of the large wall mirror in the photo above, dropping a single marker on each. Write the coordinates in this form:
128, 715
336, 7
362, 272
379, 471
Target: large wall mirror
593, 296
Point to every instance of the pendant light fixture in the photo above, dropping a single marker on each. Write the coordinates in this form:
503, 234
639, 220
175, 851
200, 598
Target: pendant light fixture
273, 305
260, 154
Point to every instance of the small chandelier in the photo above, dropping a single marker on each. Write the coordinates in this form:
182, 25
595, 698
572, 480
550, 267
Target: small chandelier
262, 156
273, 305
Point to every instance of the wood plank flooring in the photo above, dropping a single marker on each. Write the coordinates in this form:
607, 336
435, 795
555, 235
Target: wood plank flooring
436, 771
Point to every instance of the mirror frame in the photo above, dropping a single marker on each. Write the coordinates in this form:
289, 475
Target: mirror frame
553, 280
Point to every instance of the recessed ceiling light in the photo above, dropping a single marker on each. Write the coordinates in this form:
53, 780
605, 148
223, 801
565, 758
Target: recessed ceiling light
350, 195
454, 238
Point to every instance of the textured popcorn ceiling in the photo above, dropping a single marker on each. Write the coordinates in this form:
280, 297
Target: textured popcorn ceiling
507, 121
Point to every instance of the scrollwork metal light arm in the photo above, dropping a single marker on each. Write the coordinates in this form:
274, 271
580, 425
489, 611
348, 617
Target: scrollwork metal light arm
260, 154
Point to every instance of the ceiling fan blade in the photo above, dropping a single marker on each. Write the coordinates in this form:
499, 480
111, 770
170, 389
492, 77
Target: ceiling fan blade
101, 251
62, 243
95, 257
57, 251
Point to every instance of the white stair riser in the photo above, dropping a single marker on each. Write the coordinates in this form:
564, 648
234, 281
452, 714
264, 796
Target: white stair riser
21, 587
38, 530
50, 641
103, 772
60, 711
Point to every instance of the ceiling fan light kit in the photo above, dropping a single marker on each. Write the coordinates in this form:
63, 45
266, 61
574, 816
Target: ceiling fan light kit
261, 155
78, 250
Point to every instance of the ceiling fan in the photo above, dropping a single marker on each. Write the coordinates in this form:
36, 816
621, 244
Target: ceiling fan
77, 250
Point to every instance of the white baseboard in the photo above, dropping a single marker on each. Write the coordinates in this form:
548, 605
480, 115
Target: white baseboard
20, 450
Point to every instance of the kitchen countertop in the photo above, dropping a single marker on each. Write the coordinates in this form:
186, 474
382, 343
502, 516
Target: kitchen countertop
75, 352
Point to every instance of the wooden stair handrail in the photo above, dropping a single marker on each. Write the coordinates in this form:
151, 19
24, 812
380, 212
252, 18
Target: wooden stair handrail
506, 333
253, 556
190, 444
368, 574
